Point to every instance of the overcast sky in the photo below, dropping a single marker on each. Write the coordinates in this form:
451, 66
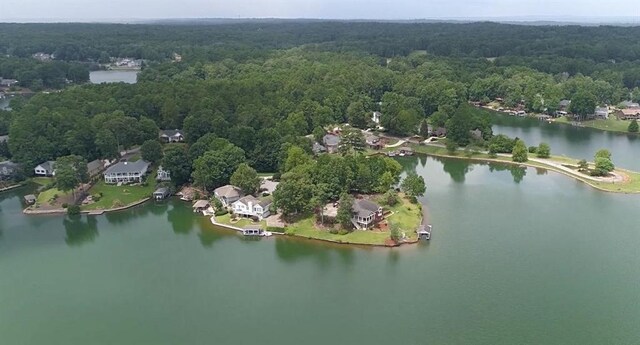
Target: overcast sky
122, 10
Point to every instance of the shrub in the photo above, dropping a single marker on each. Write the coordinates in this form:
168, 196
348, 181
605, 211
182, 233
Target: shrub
390, 198
276, 229
451, 146
73, 210
544, 150
533, 149
65, 205
343, 232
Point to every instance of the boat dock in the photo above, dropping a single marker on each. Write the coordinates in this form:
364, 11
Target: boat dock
424, 232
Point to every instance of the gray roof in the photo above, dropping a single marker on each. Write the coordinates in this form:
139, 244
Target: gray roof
565, 103
265, 202
248, 199
251, 199
128, 167
170, 132
364, 208
95, 166
317, 148
48, 165
8, 164
4, 138
331, 140
601, 110
630, 104
228, 191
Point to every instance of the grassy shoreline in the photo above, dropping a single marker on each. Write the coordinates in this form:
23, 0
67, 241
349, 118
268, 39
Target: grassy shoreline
630, 186
608, 125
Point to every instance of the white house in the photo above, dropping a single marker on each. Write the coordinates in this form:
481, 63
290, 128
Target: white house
163, 175
126, 172
375, 117
601, 113
172, 135
227, 194
45, 169
249, 206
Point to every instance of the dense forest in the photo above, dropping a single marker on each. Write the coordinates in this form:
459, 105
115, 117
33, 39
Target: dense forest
256, 89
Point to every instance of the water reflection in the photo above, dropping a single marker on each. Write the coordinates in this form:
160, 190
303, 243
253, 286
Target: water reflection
295, 249
517, 172
181, 219
456, 168
79, 231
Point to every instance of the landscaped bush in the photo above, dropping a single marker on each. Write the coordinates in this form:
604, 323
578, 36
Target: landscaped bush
73, 210
65, 205
276, 229
221, 211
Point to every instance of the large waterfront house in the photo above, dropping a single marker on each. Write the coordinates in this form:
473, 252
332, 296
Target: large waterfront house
172, 135
227, 194
163, 175
8, 170
8, 82
249, 206
331, 142
365, 214
629, 114
45, 169
127, 172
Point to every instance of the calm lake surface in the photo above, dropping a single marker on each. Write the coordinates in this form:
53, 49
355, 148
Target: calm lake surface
518, 256
99, 77
572, 141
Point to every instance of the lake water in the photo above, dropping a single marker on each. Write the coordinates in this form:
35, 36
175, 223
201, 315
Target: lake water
576, 142
517, 257
99, 77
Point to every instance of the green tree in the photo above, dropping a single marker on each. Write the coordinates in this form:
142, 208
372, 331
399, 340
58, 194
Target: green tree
296, 156
520, 153
583, 103
544, 150
583, 165
106, 143
71, 171
394, 233
352, 140
633, 127
390, 198
386, 181
345, 211
151, 151
176, 161
294, 193
603, 166
413, 185
603, 153
246, 178
214, 168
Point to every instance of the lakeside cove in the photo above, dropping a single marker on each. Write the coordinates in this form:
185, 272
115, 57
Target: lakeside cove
622, 180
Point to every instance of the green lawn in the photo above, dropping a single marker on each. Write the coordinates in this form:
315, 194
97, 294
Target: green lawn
406, 215
241, 223
45, 196
43, 181
306, 228
114, 196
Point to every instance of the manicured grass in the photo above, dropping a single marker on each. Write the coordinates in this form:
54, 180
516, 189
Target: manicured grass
406, 215
306, 228
114, 196
43, 181
45, 196
241, 223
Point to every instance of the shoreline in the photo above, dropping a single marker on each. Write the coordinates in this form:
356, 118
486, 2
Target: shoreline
59, 211
536, 163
